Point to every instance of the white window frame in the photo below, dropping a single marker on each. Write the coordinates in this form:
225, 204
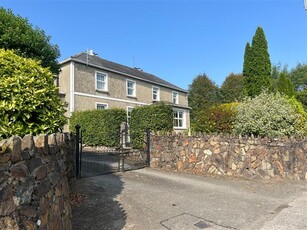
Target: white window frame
134, 88
129, 109
105, 82
157, 89
103, 104
177, 97
183, 119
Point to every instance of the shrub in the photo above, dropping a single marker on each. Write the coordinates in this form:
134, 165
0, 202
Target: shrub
217, 119
157, 117
299, 109
29, 103
99, 127
267, 115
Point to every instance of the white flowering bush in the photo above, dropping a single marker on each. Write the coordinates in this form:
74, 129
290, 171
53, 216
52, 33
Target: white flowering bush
268, 114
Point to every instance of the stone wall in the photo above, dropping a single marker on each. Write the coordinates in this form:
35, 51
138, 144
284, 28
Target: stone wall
34, 192
242, 157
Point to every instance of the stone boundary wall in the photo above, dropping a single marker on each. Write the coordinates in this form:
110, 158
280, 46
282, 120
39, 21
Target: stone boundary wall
240, 157
34, 190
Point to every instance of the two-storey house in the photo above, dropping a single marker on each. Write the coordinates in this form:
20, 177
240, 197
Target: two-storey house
87, 82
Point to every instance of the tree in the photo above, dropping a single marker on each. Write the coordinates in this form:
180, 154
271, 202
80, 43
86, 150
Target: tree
30, 103
257, 65
17, 34
232, 88
203, 93
298, 76
247, 60
284, 85
269, 114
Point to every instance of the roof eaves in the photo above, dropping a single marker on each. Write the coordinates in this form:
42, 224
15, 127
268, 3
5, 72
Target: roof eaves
128, 75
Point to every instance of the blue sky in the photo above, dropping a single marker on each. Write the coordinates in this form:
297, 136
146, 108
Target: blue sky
173, 39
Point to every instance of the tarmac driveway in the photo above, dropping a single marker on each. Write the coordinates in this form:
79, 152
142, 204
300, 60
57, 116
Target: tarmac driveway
153, 199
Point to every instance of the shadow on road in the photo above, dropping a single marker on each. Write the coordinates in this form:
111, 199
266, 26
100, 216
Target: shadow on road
100, 210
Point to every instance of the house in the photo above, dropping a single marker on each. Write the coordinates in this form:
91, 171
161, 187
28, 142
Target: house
87, 82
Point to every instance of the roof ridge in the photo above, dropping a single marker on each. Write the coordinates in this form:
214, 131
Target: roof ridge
130, 71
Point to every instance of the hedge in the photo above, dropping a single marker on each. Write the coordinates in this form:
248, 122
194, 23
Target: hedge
99, 127
156, 117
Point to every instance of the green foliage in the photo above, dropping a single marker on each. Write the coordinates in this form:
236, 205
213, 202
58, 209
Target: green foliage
17, 34
247, 60
269, 115
99, 127
298, 76
157, 117
217, 119
299, 109
203, 93
284, 85
29, 102
301, 96
232, 88
257, 65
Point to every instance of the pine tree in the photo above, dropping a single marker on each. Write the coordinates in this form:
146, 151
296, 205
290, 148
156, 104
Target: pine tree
246, 67
257, 65
284, 85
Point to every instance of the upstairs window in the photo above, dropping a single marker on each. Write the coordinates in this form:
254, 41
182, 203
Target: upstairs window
101, 106
175, 98
155, 93
131, 88
101, 81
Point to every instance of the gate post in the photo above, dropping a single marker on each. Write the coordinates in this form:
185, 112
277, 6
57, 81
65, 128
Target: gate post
77, 127
147, 130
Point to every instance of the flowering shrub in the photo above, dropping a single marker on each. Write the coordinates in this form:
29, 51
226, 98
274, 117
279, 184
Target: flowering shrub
269, 115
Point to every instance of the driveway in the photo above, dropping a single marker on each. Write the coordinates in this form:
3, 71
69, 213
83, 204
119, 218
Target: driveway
153, 199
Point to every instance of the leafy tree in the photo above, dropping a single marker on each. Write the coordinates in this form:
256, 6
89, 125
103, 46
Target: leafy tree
284, 85
302, 97
29, 102
17, 34
278, 69
203, 93
298, 76
269, 115
257, 65
232, 88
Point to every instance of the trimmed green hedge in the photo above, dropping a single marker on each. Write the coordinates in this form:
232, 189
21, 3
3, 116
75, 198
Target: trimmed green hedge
157, 117
99, 127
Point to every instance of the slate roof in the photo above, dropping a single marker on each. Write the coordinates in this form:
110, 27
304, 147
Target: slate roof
96, 61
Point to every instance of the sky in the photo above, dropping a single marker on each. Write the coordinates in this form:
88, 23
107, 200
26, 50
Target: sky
173, 39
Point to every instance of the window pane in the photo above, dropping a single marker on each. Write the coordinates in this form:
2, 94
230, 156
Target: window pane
101, 81
100, 85
130, 91
101, 106
178, 119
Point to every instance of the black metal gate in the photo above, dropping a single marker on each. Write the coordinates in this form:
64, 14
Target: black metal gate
94, 161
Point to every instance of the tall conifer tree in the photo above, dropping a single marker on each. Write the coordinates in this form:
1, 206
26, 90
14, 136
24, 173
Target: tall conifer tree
257, 65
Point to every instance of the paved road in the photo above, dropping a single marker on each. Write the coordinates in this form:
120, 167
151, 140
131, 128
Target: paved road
152, 199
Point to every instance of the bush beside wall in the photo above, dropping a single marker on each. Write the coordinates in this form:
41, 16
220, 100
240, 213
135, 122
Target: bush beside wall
242, 157
99, 127
34, 190
156, 117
